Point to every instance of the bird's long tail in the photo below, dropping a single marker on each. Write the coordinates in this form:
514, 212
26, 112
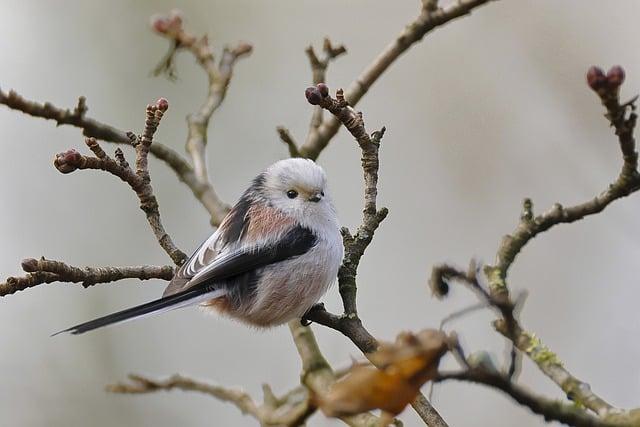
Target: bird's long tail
178, 300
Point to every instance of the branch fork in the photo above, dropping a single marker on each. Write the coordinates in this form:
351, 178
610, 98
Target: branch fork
139, 180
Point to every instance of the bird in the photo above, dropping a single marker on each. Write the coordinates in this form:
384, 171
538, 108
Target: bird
272, 258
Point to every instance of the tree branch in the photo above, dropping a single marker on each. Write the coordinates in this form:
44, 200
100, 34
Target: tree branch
430, 18
139, 180
551, 365
40, 271
349, 324
622, 118
551, 410
95, 129
141, 385
317, 375
508, 325
219, 76
319, 65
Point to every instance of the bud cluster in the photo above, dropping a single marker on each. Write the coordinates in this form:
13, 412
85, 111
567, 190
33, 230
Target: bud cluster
599, 81
316, 94
171, 23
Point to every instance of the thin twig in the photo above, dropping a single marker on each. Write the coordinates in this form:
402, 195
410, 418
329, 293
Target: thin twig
319, 66
140, 385
219, 76
287, 138
508, 325
95, 129
551, 365
622, 117
428, 20
139, 180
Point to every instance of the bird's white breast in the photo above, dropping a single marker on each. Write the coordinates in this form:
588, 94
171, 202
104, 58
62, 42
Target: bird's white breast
288, 289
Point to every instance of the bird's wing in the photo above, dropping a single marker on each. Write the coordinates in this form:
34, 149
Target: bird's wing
252, 235
295, 242
229, 233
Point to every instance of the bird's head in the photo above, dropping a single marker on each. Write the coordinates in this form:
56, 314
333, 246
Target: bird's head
298, 187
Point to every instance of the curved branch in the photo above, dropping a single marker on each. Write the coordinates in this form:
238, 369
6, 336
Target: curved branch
140, 385
430, 18
622, 117
551, 410
219, 76
548, 362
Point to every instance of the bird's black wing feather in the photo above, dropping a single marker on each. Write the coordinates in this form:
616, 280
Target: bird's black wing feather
296, 242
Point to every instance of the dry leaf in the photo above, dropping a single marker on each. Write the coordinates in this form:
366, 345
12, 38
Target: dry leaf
404, 367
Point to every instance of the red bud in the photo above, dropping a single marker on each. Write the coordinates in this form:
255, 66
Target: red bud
160, 24
313, 95
68, 161
596, 78
615, 76
162, 104
324, 89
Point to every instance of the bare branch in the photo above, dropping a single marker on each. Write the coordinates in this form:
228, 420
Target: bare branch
140, 385
317, 374
95, 129
349, 324
319, 65
551, 410
40, 271
219, 76
622, 117
429, 19
551, 365
548, 362
139, 180
290, 410
372, 217
287, 138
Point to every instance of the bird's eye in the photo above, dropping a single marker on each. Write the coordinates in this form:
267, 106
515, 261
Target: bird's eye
322, 193
292, 194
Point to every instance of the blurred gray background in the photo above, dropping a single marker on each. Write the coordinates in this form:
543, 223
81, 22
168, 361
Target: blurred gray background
485, 111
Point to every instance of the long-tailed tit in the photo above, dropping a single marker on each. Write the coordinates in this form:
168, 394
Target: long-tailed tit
273, 257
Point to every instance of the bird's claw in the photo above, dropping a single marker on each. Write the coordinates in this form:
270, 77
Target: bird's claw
304, 321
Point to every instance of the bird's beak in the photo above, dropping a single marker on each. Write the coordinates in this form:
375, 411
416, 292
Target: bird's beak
315, 198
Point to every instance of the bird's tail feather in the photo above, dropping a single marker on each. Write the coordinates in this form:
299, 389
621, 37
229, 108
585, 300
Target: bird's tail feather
181, 299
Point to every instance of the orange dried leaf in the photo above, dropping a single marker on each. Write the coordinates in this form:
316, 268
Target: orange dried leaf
404, 367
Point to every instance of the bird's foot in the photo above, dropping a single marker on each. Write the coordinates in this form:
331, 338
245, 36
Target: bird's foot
304, 321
